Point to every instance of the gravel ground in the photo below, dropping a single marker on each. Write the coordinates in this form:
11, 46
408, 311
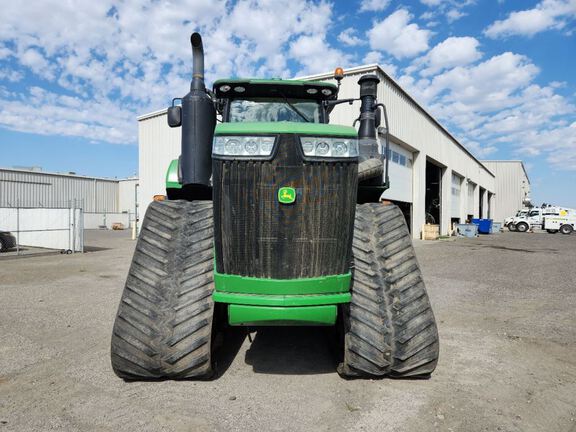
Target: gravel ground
505, 306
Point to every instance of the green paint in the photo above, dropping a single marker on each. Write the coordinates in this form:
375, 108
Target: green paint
314, 129
286, 195
281, 300
278, 316
172, 176
253, 81
251, 285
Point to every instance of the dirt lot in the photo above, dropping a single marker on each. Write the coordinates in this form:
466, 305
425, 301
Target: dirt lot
506, 310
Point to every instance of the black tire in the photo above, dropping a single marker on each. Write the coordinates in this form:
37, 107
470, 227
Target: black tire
163, 328
522, 227
511, 227
2, 246
551, 231
389, 327
566, 229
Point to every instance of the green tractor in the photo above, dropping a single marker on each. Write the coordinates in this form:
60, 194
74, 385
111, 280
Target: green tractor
274, 218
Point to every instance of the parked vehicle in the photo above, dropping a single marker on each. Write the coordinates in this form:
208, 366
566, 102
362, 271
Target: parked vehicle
7, 241
519, 213
562, 224
535, 218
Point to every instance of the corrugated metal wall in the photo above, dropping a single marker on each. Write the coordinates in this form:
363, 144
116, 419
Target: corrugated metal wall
127, 195
158, 145
512, 186
37, 189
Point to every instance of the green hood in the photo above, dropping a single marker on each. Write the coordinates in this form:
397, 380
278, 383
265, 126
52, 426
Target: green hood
316, 129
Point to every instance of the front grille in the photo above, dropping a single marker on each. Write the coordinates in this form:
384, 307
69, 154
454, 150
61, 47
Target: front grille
257, 236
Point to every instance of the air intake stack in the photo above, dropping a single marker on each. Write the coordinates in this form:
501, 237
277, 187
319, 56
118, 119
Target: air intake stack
198, 122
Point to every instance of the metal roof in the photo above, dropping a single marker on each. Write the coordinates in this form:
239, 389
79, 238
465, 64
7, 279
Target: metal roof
41, 172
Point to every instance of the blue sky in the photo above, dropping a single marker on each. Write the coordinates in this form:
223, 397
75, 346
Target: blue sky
499, 74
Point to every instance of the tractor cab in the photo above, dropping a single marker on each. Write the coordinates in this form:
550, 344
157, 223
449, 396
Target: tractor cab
275, 100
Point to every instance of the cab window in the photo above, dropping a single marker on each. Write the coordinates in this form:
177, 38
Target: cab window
274, 110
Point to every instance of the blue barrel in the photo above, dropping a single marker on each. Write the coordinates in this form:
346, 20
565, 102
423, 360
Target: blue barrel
484, 225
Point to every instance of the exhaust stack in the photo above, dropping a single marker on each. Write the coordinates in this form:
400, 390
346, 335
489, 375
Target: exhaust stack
198, 122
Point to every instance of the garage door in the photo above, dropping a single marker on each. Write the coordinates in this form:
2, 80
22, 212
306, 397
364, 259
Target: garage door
456, 192
471, 187
400, 172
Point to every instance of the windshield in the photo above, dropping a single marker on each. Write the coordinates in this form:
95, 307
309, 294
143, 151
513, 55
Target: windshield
274, 110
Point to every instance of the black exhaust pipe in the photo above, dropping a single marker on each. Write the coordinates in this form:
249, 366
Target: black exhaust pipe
370, 167
198, 122
368, 92
197, 62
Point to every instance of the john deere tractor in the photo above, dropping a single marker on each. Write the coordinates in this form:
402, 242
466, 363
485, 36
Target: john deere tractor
273, 218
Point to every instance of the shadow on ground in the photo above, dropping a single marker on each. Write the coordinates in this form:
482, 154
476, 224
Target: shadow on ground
293, 351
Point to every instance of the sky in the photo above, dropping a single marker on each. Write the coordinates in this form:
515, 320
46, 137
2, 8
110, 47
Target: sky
498, 74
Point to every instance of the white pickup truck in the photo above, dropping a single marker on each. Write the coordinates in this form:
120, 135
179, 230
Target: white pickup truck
564, 224
519, 213
536, 217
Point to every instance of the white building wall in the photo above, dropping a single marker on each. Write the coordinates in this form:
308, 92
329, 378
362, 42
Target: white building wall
158, 145
511, 188
127, 190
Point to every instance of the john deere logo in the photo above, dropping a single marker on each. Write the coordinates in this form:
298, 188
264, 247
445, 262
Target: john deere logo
286, 195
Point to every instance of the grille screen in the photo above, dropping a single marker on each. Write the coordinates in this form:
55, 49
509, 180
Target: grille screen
257, 236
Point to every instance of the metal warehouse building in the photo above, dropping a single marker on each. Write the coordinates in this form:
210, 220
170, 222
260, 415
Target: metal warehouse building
97, 197
431, 173
512, 187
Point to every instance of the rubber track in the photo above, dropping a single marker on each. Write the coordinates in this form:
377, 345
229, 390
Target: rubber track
164, 322
370, 168
391, 330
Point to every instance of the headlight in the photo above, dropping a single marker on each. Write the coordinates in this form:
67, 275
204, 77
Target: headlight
329, 147
243, 145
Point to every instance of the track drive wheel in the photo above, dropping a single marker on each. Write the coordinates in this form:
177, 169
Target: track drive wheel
389, 327
163, 327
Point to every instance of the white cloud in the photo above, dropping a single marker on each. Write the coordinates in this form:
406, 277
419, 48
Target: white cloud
452, 10
373, 5
315, 55
375, 57
453, 51
454, 15
127, 58
397, 36
10, 75
349, 37
547, 15
497, 103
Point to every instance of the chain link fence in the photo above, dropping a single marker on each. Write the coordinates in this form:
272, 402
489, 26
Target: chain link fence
28, 229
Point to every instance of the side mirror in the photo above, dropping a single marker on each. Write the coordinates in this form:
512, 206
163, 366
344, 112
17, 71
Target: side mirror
175, 116
378, 117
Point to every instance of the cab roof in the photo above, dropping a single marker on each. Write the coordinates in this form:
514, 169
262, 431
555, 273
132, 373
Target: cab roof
251, 87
